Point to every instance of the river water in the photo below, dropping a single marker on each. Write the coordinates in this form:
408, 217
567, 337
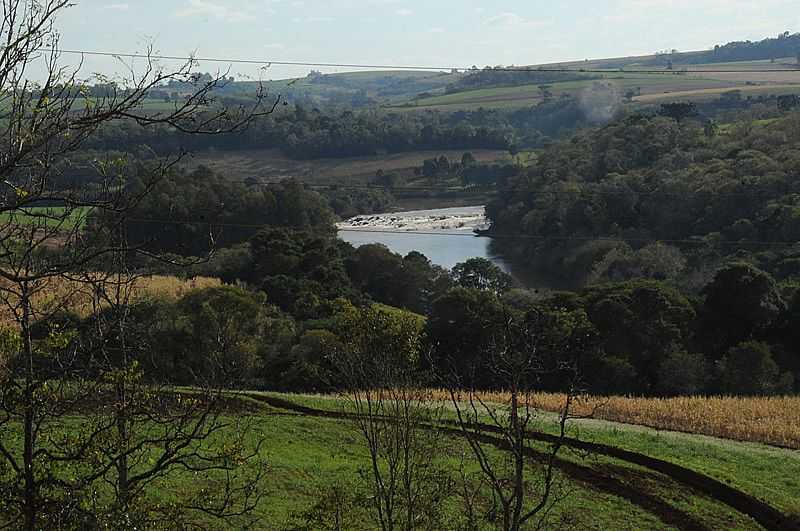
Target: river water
444, 235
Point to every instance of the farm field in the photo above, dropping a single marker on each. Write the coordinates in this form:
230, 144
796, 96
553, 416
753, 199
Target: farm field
787, 71
383, 85
530, 94
713, 93
650, 87
272, 166
766, 420
398, 89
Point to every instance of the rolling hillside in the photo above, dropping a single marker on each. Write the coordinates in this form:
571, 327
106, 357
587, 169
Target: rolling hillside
614, 477
692, 82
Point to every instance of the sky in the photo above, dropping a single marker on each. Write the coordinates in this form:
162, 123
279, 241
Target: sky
446, 33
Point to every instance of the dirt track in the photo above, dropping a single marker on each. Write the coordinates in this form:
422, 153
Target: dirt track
766, 515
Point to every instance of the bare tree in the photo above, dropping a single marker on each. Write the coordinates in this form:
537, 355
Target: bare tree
43, 248
524, 483
145, 429
393, 414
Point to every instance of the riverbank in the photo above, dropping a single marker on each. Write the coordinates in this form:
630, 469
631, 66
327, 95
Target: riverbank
444, 235
455, 219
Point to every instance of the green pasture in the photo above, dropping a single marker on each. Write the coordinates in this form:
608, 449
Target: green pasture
47, 217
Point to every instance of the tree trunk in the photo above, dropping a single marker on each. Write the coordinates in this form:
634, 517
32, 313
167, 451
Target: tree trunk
30, 495
123, 487
519, 459
123, 491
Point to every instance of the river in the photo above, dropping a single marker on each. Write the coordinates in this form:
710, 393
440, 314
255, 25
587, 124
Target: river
444, 235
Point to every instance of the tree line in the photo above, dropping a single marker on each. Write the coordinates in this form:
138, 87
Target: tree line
716, 194
785, 45
642, 336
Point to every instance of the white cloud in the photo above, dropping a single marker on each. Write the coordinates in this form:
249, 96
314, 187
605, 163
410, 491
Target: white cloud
312, 20
512, 21
404, 12
205, 8
118, 7
702, 7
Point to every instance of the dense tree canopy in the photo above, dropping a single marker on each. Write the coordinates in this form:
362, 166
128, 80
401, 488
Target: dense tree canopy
650, 178
189, 213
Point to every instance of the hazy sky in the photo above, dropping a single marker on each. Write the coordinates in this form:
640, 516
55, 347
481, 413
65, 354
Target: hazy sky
425, 32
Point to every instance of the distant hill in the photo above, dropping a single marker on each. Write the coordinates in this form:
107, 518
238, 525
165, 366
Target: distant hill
493, 77
784, 45
519, 87
358, 89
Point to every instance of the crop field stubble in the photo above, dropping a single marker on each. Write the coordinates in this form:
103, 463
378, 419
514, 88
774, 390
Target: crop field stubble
269, 165
766, 420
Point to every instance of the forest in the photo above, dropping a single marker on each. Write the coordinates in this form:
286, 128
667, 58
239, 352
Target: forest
651, 221
675, 236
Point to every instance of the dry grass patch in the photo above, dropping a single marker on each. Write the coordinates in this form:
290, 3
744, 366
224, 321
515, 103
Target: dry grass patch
767, 420
57, 294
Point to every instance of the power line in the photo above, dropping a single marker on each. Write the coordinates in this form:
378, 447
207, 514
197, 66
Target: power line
472, 235
366, 66
486, 191
677, 241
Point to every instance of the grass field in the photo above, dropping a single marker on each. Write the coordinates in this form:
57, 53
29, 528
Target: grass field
312, 452
271, 166
309, 453
47, 216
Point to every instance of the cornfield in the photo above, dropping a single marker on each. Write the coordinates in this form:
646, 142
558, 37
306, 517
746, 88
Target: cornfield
768, 420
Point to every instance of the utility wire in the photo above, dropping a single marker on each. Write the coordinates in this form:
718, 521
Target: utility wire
493, 235
472, 235
485, 191
267, 63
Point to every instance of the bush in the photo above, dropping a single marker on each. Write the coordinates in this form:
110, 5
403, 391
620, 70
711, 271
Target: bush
682, 373
615, 376
748, 369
